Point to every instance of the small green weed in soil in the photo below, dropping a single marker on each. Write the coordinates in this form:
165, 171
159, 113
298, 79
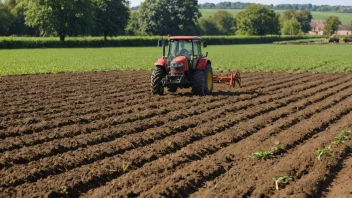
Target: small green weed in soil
64, 191
281, 180
324, 151
342, 137
125, 167
267, 154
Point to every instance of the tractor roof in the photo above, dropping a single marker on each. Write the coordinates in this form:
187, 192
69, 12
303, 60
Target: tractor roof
185, 38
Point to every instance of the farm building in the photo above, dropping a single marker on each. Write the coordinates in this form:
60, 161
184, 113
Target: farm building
318, 26
344, 30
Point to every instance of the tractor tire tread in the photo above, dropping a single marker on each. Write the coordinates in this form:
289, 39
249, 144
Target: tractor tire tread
156, 86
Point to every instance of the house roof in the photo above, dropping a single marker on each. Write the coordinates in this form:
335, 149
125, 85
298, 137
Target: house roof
345, 27
317, 24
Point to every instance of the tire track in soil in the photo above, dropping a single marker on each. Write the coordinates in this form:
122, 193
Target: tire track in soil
54, 150
128, 178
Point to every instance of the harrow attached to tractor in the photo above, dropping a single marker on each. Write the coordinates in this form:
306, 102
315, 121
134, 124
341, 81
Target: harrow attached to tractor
230, 79
185, 66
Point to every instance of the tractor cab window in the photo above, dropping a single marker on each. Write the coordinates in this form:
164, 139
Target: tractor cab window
180, 48
196, 49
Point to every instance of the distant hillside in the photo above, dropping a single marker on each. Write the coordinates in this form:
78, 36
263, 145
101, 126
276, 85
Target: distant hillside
345, 18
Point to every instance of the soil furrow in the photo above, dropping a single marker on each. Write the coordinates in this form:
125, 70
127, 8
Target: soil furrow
102, 134
23, 158
341, 184
41, 108
114, 166
230, 136
22, 141
50, 110
221, 165
262, 172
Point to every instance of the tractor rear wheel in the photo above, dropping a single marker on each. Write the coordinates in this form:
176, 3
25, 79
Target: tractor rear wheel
203, 81
157, 76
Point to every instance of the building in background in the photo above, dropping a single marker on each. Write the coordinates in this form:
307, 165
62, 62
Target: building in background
318, 27
344, 30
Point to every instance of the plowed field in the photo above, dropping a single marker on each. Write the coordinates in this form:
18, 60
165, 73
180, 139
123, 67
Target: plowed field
103, 134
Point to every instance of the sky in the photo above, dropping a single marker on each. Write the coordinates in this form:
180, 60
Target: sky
314, 2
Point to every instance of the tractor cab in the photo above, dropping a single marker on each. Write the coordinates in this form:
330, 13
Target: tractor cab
186, 47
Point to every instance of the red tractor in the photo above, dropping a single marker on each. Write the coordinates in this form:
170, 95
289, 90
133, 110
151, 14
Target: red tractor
184, 66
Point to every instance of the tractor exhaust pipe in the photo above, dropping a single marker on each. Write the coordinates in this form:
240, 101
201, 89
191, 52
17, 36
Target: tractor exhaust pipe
162, 43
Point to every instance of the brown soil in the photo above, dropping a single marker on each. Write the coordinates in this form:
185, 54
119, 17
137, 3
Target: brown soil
103, 134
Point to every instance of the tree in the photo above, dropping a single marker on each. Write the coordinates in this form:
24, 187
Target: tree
290, 14
257, 20
160, 17
133, 25
6, 19
303, 17
331, 25
187, 16
208, 26
225, 22
111, 17
18, 26
59, 17
291, 27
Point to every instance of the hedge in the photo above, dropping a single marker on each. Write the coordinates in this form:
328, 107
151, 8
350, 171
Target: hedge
130, 41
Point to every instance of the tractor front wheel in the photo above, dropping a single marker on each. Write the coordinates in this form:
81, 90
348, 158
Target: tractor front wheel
203, 81
157, 76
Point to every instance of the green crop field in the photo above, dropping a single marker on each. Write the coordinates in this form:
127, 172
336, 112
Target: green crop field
345, 18
314, 58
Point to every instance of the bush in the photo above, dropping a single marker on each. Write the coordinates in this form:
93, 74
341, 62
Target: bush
334, 39
131, 41
346, 39
303, 42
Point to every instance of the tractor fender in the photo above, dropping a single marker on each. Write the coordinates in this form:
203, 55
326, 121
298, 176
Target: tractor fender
202, 63
160, 63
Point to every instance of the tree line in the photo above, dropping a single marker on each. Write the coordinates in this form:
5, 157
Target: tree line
301, 7
257, 20
64, 17
106, 18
